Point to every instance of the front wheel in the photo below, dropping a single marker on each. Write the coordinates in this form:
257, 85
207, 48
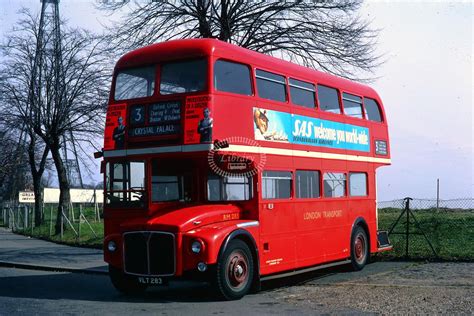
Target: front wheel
359, 248
125, 283
234, 271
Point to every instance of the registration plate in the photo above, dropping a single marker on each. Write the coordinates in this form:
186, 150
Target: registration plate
151, 281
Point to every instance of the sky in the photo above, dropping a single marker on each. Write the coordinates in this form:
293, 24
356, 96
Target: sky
425, 83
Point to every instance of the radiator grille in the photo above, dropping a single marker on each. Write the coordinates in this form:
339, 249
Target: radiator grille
149, 253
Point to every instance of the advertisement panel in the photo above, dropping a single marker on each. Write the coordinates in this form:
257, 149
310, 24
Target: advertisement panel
198, 121
115, 122
284, 127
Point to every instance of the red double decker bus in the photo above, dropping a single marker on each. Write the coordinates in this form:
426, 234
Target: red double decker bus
235, 167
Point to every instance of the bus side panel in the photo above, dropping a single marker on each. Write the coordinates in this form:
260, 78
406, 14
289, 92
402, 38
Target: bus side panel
277, 225
235, 114
277, 236
311, 238
336, 216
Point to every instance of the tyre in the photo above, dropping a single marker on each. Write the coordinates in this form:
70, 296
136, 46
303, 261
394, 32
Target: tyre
124, 283
359, 248
234, 271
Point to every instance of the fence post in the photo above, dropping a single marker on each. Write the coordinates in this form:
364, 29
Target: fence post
407, 208
25, 218
72, 212
51, 221
32, 219
437, 194
62, 223
12, 218
80, 219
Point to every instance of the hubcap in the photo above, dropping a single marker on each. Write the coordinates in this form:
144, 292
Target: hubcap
359, 248
237, 269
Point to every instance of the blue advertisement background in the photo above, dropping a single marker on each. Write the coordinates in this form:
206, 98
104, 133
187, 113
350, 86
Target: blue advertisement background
304, 130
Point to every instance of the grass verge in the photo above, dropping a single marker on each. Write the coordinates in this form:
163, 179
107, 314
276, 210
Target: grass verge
88, 232
450, 232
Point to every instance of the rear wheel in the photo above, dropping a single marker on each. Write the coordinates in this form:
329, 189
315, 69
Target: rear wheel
234, 271
359, 248
125, 283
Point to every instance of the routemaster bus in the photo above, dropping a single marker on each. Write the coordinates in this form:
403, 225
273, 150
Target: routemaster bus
231, 166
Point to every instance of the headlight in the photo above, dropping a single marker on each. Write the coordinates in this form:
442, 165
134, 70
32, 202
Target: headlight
112, 246
196, 246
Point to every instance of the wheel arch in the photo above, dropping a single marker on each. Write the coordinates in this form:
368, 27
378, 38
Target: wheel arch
246, 237
360, 221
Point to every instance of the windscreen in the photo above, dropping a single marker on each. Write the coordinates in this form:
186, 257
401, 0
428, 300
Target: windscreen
135, 83
125, 185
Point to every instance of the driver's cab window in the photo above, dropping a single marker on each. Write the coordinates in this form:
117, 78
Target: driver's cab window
125, 182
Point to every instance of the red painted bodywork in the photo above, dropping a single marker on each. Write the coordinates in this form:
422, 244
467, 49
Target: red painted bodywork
287, 237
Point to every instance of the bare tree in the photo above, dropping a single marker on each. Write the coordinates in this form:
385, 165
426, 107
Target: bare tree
12, 162
66, 103
16, 106
326, 35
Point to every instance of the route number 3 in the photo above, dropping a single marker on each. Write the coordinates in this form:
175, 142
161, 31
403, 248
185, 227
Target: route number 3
138, 114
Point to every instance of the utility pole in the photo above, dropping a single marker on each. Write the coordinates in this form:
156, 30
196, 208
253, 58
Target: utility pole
49, 45
437, 194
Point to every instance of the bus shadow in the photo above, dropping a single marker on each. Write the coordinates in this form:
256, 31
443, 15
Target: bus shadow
323, 275
97, 288
76, 286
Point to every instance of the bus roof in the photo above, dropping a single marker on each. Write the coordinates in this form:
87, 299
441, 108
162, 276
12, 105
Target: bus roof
189, 48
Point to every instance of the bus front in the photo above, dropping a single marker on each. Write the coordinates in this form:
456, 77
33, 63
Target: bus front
166, 211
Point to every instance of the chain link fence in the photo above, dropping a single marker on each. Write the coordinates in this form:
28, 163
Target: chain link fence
418, 228
83, 224
428, 228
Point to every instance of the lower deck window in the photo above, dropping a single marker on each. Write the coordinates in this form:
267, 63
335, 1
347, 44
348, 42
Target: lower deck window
276, 184
228, 188
170, 182
334, 184
307, 184
357, 184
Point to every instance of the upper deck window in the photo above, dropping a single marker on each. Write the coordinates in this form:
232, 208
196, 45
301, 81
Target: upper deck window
271, 86
328, 99
183, 76
135, 83
232, 77
373, 110
302, 93
352, 105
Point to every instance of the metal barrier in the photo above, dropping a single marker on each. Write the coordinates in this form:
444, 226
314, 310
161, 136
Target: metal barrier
418, 228
429, 228
21, 218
